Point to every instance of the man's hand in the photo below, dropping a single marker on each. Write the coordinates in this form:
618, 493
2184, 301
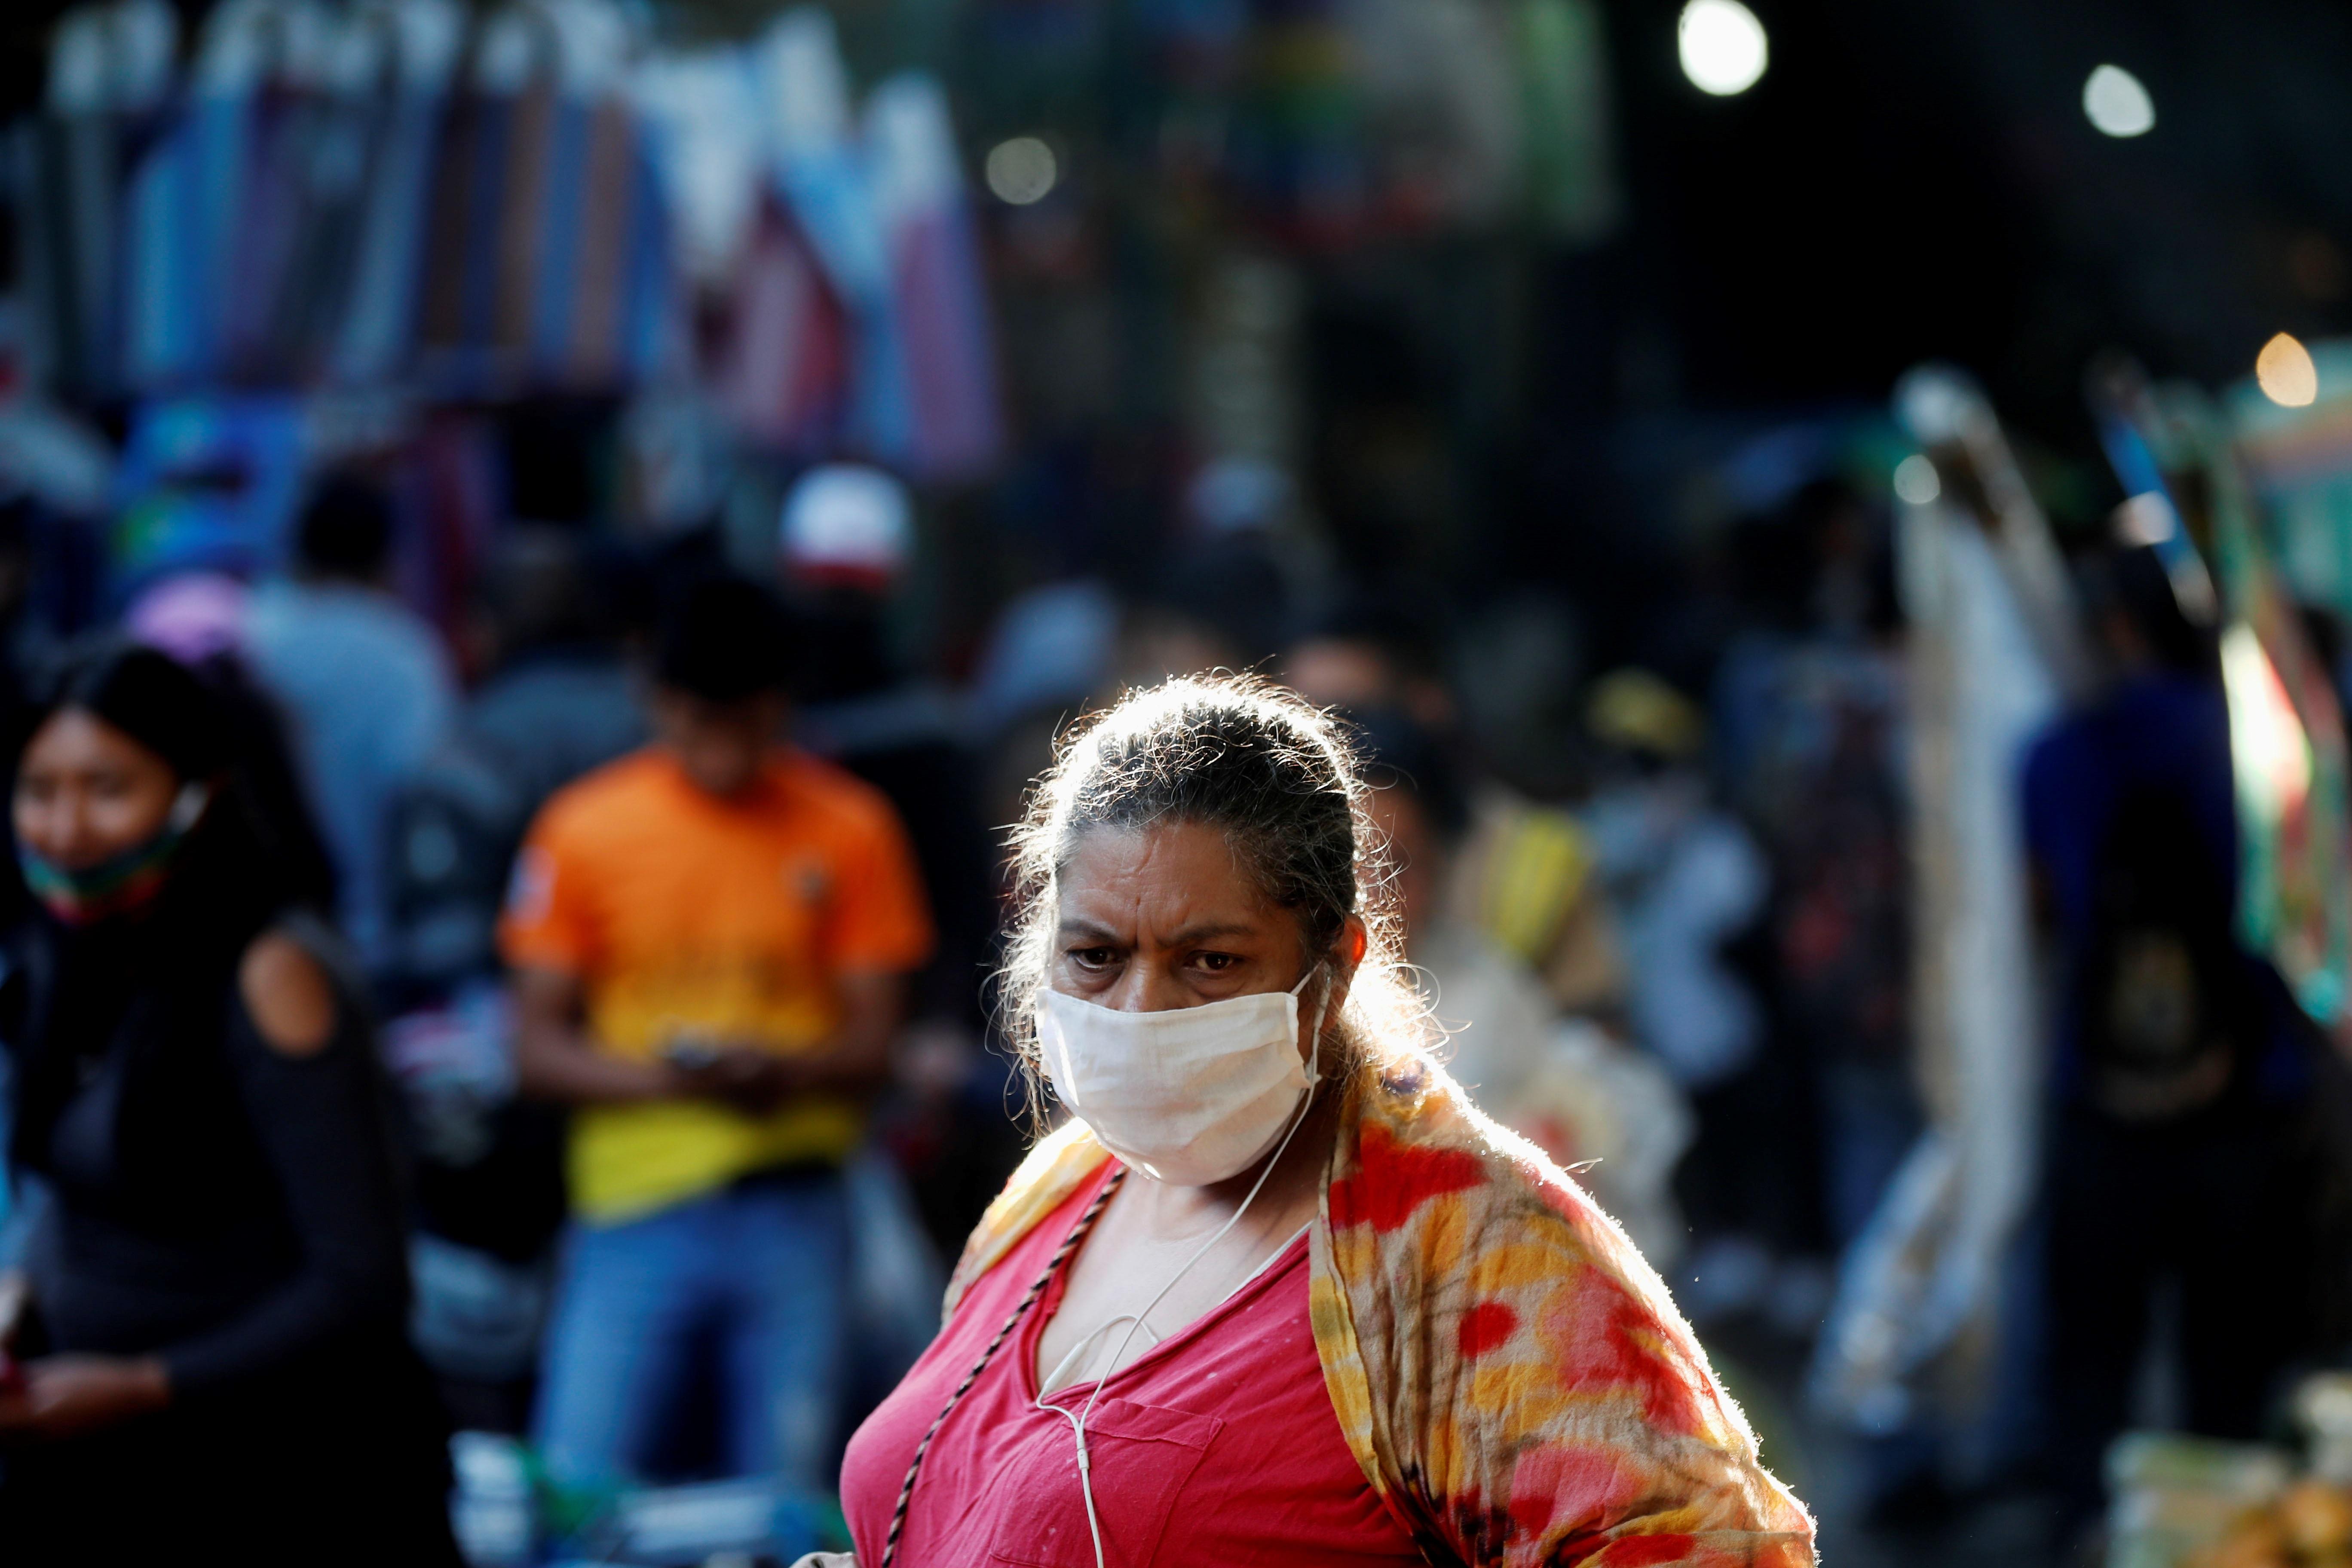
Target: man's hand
66, 1396
743, 1078
554, 1060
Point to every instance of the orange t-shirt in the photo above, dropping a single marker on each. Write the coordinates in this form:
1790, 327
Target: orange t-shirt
684, 915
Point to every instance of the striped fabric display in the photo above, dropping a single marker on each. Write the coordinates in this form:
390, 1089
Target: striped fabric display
548, 264
402, 62
461, 256
378, 320
607, 273
938, 309
109, 73
180, 202
541, 132
264, 252
782, 368
654, 305
69, 167
577, 201
826, 191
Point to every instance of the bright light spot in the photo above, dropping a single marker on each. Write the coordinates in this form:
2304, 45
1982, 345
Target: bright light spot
1915, 480
2117, 103
2286, 373
1722, 45
2272, 758
2146, 520
1021, 171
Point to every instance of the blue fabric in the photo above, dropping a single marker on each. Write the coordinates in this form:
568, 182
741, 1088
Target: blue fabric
758, 1271
2153, 732
173, 513
651, 303
379, 324
561, 219
832, 199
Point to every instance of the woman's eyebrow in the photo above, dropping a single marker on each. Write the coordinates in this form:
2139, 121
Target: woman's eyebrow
1210, 931
1087, 929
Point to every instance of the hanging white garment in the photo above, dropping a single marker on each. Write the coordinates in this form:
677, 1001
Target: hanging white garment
1993, 650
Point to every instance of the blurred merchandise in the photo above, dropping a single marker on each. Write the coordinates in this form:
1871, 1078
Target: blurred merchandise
2191, 1502
519, 200
475, 1315
208, 483
2286, 741
493, 1511
2298, 463
2323, 1407
548, 258
455, 1067
933, 260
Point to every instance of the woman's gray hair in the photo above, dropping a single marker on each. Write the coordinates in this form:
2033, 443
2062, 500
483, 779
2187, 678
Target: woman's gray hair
1279, 779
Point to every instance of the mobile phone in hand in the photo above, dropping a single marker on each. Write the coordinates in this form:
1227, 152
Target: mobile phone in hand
691, 1052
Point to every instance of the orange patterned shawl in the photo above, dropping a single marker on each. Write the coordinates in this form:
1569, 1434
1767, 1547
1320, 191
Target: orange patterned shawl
1509, 1372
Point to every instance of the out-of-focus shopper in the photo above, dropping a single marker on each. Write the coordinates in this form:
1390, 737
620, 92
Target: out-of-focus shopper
1202, 964
1371, 651
365, 683
710, 939
199, 618
1497, 1014
489, 1183
558, 701
843, 549
1587, 1100
212, 1362
1686, 883
2179, 1152
1808, 728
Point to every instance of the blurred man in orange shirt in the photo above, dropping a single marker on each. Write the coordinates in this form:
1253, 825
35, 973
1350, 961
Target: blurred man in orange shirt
709, 939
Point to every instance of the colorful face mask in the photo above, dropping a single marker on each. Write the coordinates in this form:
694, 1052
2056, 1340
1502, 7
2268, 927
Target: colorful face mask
120, 883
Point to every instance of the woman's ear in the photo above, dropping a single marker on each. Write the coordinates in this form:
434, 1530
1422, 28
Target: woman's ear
1355, 941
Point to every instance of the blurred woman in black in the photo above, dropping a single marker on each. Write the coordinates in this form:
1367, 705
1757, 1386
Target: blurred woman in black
211, 1348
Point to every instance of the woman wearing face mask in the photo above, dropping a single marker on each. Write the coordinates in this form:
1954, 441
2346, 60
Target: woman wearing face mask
1278, 1293
206, 1348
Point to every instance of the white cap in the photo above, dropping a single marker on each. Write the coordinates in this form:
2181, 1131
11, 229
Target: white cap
846, 520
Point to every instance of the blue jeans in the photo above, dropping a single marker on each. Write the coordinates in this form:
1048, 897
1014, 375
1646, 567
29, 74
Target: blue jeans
758, 1271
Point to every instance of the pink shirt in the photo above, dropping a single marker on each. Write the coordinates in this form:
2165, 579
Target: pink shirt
1216, 1446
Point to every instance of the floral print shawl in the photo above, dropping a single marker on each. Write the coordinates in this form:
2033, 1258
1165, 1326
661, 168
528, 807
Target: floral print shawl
1507, 1370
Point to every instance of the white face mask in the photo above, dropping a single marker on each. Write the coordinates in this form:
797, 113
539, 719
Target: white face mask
1190, 1096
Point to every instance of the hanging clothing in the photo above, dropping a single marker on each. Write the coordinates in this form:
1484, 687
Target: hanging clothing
1509, 1374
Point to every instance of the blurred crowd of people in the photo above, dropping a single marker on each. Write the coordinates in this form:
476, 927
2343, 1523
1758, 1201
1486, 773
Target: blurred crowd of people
663, 898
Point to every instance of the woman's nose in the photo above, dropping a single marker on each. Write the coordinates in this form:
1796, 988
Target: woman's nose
71, 839
1146, 988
